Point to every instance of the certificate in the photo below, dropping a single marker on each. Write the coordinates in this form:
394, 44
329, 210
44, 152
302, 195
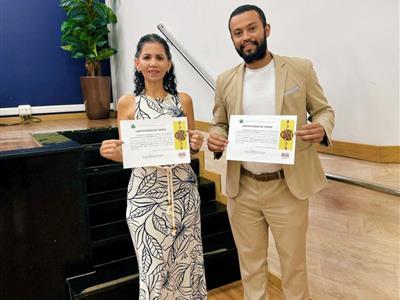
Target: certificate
154, 142
262, 138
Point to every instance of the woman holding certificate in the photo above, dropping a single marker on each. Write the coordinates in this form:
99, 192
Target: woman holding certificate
163, 209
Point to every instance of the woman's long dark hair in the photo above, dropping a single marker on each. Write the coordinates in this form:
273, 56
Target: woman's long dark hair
169, 78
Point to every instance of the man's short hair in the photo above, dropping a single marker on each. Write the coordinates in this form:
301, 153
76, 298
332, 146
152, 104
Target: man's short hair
248, 7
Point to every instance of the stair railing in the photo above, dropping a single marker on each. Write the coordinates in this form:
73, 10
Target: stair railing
190, 60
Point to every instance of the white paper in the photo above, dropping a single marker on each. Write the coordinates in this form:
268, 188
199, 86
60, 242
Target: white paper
154, 142
262, 138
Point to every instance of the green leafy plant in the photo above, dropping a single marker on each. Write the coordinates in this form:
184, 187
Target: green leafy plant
85, 32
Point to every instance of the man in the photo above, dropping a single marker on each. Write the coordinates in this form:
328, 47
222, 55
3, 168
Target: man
274, 196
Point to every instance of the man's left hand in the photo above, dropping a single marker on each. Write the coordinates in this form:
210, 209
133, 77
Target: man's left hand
311, 132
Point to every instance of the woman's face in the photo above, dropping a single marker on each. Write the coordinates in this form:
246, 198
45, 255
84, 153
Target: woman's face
153, 62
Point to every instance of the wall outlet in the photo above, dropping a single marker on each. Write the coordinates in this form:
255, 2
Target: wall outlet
25, 111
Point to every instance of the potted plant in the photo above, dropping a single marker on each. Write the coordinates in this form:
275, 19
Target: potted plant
85, 35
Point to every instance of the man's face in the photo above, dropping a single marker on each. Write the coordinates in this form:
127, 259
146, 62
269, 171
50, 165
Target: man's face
249, 36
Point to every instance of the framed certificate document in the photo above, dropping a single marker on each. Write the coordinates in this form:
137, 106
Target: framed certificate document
262, 138
154, 142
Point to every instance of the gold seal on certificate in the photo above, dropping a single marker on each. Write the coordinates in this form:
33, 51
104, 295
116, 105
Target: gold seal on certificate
154, 142
286, 135
181, 135
262, 138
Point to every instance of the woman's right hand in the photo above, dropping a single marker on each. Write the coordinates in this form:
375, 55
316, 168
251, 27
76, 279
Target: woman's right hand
111, 149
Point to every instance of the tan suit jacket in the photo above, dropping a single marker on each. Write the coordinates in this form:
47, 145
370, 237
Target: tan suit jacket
298, 92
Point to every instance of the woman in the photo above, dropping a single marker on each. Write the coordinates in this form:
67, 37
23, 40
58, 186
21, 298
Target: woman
165, 228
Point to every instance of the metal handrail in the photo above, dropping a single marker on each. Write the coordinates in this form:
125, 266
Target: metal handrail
210, 82
174, 43
365, 184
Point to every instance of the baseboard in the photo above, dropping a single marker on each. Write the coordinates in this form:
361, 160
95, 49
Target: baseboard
52, 117
380, 154
203, 126
47, 109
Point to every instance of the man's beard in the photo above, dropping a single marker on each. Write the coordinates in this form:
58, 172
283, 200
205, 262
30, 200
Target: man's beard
261, 51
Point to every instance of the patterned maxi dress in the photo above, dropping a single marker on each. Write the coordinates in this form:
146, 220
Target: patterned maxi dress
170, 266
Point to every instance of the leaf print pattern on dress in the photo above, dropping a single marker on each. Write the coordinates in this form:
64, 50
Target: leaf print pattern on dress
155, 105
160, 224
157, 193
147, 183
154, 247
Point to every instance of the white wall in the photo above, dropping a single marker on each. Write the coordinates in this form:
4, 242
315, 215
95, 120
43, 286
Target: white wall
354, 45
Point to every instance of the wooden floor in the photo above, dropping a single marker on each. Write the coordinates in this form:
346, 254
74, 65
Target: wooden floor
234, 291
354, 233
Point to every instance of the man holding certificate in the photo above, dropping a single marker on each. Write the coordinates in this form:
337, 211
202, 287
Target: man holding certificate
156, 127
261, 107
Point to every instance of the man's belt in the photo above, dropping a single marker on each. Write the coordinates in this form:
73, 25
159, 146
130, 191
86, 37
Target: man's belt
263, 176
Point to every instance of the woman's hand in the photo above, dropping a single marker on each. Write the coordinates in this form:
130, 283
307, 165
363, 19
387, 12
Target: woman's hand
111, 149
195, 139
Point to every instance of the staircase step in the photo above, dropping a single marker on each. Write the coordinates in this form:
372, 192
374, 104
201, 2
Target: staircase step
113, 249
104, 233
111, 270
117, 279
125, 288
107, 212
221, 268
111, 176
104, 178
93, 157
213, 218
117, 268
122, 247
105, 196
195, 164
109, 206
219, 243
206, 189
112, 241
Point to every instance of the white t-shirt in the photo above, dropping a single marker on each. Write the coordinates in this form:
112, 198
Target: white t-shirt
259, 99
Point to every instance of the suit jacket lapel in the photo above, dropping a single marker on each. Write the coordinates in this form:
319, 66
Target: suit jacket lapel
238, 86
280, 79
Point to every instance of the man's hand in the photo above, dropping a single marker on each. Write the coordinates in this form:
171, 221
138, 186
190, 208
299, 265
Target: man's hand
216, 143
311, 132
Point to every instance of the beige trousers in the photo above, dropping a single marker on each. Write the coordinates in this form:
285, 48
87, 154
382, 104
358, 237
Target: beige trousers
260, 205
